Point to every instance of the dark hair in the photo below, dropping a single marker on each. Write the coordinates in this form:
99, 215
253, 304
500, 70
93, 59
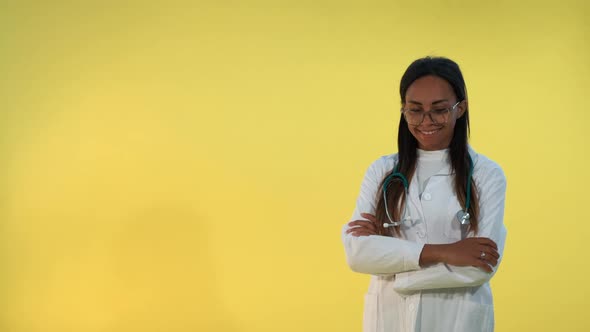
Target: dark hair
407, 144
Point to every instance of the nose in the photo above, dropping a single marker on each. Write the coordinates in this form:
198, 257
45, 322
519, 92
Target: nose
427, 119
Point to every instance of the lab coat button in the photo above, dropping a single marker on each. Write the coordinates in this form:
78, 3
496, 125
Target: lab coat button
426, 196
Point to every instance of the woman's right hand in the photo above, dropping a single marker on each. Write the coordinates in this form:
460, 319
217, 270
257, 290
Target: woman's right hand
479, 252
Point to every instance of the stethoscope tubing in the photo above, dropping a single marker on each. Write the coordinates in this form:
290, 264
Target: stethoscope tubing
463, 215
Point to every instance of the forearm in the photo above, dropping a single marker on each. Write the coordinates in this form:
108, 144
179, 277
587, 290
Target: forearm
437, 273
432, 254
440, 276
381, 255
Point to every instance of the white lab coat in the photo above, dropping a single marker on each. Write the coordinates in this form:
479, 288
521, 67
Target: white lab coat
399, 287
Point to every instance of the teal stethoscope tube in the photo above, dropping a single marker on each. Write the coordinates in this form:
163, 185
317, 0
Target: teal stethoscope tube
463, 215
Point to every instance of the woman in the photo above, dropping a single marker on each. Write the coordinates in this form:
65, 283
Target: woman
428, 224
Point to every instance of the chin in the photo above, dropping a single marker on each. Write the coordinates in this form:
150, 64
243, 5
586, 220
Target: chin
432, 146
433, 143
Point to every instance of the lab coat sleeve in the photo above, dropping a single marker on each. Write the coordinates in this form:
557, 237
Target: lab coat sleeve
377, 255
492, 198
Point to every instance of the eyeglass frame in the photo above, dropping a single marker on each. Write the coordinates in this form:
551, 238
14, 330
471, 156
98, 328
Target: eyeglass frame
449, 110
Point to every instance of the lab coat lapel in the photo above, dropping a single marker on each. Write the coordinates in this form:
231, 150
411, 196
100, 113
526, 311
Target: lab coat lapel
415, 204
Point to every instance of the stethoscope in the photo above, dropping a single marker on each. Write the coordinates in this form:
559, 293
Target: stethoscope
462, 216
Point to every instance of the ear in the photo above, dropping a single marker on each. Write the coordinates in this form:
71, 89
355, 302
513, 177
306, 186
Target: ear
462, 107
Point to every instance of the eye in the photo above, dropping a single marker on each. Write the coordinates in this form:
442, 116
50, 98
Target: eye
414, 110
440, 111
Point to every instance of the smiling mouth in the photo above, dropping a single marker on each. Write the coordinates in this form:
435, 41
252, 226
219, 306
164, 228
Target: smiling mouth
429, 132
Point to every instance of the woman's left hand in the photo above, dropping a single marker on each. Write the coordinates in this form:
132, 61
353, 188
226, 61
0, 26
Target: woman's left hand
364, 227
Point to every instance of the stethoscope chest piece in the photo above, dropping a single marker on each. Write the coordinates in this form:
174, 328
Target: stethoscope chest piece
463, 217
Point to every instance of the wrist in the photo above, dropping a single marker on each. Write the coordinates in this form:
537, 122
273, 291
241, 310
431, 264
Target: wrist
432, 254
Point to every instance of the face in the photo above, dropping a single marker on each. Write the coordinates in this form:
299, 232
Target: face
432, 93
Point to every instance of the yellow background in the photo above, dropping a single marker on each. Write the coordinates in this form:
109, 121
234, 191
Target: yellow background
187, 166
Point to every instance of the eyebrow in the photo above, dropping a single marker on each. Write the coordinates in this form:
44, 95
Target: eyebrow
434, 102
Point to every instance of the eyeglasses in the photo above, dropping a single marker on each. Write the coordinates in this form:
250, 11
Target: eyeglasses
437, 116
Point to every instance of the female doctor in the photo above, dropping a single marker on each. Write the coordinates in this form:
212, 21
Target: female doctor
428, 224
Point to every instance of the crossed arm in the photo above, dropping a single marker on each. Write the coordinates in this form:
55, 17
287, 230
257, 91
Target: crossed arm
428, 266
